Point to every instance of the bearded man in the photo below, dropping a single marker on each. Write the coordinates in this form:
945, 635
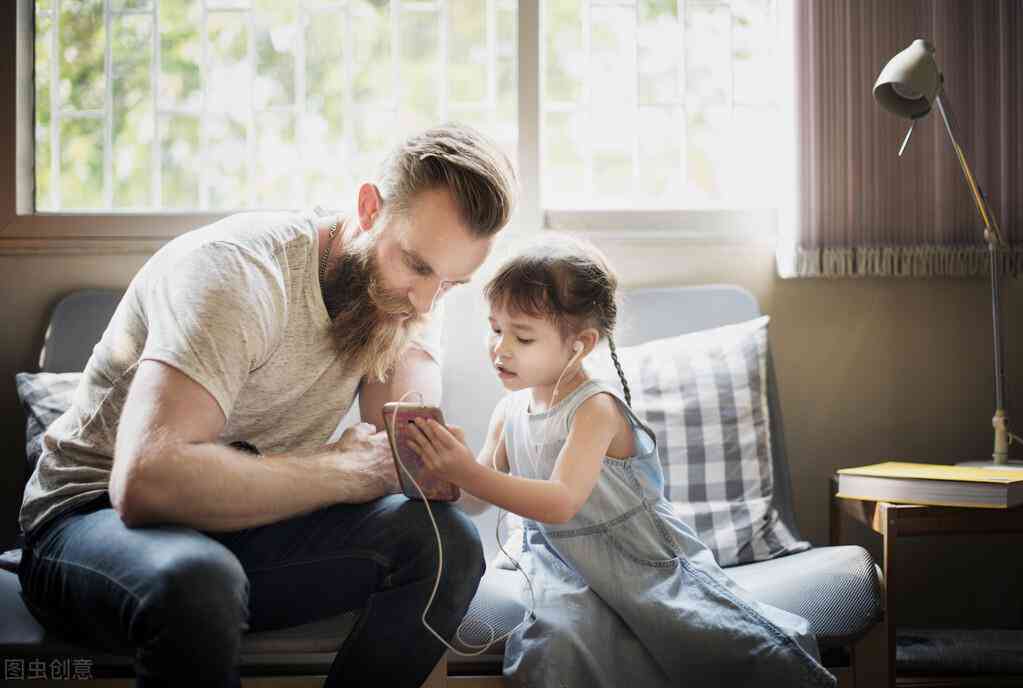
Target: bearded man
150, 523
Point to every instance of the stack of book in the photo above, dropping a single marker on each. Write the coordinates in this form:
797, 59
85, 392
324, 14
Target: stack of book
933, 484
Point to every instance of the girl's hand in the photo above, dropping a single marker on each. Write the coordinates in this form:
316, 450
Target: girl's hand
442, 449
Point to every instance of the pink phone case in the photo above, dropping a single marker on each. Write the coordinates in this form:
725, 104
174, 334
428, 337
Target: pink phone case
436, 489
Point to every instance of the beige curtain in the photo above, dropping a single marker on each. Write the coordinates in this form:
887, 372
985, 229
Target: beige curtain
863, 211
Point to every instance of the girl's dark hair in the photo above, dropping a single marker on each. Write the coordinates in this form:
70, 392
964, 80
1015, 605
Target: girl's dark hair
567, 281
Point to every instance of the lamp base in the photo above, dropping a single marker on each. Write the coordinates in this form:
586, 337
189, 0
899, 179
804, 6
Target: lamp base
1010, 466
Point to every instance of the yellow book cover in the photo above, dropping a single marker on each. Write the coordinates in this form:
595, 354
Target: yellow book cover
935, 484
936, 471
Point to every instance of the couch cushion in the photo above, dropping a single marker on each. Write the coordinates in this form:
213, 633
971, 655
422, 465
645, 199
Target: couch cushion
45, 397
704, 394
494, 612
836, 589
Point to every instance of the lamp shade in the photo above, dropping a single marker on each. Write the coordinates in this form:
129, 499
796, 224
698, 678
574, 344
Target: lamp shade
908, 83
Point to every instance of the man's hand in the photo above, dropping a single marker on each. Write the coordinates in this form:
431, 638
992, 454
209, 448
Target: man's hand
363, 449
442, 449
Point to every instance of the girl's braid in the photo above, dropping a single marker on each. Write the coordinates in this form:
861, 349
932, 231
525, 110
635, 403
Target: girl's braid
621, 373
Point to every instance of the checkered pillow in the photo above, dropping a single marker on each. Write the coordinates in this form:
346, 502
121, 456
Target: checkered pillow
704, 395
45, 397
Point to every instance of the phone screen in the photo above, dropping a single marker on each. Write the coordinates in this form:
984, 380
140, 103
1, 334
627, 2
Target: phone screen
397, 420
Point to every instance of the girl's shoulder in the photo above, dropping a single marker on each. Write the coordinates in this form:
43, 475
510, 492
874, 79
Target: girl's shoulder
600, 413
599, 399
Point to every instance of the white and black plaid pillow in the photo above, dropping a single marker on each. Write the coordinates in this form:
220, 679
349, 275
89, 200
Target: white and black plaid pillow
704, 395
45, 397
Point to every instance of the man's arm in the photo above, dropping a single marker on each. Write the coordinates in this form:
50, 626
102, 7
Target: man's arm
416, 372
168, 468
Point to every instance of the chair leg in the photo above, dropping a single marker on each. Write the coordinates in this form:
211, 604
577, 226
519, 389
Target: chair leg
438, 678
871, 661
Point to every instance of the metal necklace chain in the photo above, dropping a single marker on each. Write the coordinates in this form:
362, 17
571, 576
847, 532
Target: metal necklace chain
326, 251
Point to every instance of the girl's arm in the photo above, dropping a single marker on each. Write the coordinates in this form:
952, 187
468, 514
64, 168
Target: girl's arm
556, 500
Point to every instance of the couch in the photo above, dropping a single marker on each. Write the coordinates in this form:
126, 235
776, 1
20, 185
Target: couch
838, 589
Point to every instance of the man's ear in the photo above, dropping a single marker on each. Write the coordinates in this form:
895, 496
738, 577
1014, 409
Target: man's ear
370, 205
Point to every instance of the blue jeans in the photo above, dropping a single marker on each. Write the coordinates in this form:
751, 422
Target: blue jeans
182, 598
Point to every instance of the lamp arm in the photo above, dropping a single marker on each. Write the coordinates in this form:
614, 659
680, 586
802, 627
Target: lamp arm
993, 235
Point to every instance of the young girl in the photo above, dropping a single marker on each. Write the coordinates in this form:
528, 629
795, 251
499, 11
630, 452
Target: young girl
626, 594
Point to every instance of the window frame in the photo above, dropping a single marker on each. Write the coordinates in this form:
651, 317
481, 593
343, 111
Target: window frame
23, 230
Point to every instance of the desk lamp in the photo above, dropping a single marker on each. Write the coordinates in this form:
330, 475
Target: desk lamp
908, 86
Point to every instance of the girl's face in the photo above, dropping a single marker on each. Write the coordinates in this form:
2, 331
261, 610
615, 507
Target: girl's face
526, 351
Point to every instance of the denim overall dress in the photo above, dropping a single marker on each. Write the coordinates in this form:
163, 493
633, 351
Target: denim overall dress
626, 594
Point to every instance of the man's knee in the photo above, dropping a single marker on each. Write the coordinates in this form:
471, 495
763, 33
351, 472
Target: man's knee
197, 592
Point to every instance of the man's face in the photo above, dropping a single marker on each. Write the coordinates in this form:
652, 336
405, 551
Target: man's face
391, 274
422, 256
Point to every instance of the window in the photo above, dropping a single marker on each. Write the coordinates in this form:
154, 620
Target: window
225, 104
657, 103
644, 106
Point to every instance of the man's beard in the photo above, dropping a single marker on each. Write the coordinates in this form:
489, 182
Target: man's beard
371, 325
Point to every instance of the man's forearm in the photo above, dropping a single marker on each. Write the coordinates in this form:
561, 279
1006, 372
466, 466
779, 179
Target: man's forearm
212, 487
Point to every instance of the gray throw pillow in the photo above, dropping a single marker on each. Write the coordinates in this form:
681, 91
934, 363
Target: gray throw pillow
45, 397
704, 395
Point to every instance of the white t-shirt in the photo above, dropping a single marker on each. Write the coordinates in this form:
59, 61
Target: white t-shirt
237, 307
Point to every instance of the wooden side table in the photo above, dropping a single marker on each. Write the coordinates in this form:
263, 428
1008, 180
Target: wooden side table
891, 521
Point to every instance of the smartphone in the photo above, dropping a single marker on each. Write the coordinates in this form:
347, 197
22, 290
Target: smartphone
398, 419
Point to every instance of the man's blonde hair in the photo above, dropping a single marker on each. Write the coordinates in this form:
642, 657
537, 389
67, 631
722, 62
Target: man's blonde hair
458, 158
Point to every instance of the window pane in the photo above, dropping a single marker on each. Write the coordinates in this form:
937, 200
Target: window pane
179, 151
507, 66
564, 58
276, 42
467, 61
82, 53
325, 75
132, 127
81, 169
371, 56
225, 156
229, 81
753, 34
660, 149
43, 63
180, 53
563, 169
419, 104
277, 167
659, 52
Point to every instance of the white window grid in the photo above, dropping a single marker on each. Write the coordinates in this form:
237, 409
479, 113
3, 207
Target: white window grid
653, 223
307, 12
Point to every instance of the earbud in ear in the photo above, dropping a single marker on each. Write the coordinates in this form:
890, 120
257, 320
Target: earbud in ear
577, 347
